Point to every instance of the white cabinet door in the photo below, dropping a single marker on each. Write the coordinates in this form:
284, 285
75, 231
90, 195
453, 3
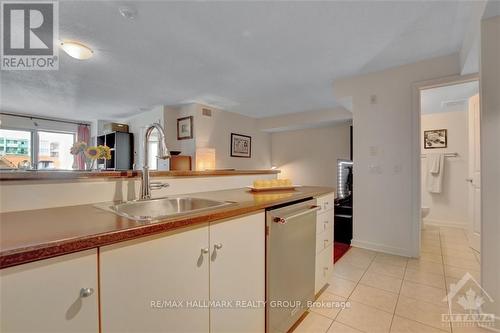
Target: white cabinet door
324, 268
45, 296
326, 202
237, 273
141, 280
324, 221
324, 240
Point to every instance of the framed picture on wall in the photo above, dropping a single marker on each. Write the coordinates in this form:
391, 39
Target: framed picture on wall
435, 139
185, 128
241, 145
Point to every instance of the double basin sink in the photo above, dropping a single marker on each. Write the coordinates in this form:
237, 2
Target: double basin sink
157, 209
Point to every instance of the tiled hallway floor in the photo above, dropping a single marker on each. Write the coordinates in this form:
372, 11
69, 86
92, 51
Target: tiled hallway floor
395, 294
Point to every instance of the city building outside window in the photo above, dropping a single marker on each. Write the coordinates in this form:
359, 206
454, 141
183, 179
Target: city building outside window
17, 149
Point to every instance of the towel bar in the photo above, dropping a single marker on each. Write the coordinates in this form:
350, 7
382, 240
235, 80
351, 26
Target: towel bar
446, 155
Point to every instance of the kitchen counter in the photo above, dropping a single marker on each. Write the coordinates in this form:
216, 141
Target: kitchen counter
6, 175
32, 235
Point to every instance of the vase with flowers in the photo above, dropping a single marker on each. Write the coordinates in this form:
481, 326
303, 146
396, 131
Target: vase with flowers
89, 154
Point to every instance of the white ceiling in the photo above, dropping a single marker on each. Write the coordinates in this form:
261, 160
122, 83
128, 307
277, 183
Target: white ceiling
256, 58
448, 98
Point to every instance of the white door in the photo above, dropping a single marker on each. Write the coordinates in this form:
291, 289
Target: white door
237, 273
156, 284
474, 178
53, 295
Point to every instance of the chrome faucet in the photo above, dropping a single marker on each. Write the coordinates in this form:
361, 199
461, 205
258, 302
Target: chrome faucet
163, 153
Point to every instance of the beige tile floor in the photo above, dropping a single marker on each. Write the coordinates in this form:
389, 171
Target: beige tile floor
390, 293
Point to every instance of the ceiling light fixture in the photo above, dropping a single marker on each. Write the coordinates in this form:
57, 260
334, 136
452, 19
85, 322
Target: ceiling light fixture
77, 50
128, 12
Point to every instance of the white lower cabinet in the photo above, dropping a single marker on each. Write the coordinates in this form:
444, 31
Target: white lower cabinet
52, 295
165, 283
324, 267
237, 273
324, 240
143, 283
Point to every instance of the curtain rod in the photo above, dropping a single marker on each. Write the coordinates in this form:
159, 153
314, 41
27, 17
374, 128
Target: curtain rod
42, 118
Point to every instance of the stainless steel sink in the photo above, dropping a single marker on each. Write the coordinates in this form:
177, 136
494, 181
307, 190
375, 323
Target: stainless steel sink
157, 209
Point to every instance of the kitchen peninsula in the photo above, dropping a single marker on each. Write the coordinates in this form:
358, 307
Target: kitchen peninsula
83, 254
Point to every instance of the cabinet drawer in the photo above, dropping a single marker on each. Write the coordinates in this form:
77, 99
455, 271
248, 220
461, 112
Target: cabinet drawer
326, 202
324, 268
324, 221
324, 239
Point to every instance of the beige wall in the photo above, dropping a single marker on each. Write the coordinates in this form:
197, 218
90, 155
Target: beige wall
307, 119
451, 206
215, 132
171, 114
309, 156
208, 132
385, 217
490, 162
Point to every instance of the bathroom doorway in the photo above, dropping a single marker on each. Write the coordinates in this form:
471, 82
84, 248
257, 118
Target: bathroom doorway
449, 140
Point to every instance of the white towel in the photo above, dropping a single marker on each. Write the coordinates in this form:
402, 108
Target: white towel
435, 172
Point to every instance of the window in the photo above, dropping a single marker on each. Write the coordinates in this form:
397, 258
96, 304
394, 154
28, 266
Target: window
15, 148
53, 151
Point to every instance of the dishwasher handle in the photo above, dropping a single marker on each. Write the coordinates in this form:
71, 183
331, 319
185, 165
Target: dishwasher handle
284, 219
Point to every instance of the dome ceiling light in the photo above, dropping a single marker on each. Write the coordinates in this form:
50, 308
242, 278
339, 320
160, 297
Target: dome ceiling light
77, 50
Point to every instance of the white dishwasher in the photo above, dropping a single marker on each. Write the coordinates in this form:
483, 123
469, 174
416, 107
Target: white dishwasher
290, 263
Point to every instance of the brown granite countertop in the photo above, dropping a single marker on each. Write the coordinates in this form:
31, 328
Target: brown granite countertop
7, 175
32, 235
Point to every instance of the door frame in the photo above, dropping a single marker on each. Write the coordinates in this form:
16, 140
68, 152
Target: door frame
415, 172
473, 238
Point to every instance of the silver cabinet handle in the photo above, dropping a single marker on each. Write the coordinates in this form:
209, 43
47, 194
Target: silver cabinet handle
325, 225
205, 250
86, 292
283, 219
470, 180
217, 247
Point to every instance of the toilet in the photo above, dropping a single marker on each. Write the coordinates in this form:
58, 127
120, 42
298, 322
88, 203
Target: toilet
424, 212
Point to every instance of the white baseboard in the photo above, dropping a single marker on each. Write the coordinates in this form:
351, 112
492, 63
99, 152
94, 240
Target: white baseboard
380, 248
444, 223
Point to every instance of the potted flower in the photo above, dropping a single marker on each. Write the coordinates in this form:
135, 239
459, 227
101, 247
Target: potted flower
90, 154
